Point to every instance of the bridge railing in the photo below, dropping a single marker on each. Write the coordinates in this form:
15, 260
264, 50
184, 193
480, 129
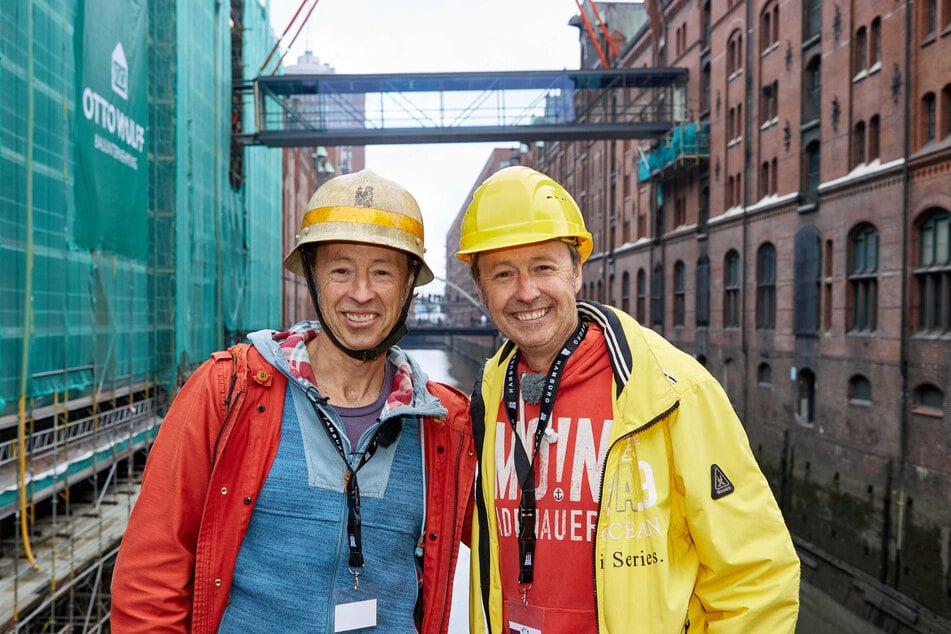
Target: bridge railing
330, 109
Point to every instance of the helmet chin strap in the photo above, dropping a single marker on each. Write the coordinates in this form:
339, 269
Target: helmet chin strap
398, 332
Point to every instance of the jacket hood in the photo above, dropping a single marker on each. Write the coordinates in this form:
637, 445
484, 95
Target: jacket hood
417, 401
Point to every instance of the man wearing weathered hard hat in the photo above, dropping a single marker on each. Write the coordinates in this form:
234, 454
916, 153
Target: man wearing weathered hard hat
314, 481
616, 488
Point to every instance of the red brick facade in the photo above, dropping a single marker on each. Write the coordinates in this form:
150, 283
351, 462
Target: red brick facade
829, 148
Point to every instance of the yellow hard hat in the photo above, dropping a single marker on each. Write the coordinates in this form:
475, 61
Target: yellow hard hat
362, 207
518, 205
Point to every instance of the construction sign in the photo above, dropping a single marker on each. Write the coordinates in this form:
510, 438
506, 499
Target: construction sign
112, 186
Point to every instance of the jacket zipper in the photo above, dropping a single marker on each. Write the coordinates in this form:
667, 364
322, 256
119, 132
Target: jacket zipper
454, 548
594, 542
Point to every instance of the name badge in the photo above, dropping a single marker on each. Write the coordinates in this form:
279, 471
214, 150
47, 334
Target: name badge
355, 609
523, 619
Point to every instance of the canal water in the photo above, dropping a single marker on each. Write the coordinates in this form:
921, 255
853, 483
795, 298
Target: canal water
818, 612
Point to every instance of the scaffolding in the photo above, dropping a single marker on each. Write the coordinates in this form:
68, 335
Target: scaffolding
105, 310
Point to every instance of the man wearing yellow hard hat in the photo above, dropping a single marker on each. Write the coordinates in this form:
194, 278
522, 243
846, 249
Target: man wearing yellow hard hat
314, 481
616, 489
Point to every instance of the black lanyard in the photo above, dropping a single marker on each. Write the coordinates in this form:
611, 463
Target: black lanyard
351, 487
524, 468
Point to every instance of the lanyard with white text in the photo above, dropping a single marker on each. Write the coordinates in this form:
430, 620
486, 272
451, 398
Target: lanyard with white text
524, 468
354, 539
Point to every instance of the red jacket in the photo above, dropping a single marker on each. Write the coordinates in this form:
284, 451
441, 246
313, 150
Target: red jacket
206, 467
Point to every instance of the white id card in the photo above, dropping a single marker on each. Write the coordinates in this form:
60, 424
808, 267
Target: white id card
355, 609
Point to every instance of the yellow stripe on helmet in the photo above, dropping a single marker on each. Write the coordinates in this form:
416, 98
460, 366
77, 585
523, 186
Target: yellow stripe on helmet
364, 215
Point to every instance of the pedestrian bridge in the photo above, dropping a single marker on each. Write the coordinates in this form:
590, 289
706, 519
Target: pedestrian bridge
526, 106
432, 335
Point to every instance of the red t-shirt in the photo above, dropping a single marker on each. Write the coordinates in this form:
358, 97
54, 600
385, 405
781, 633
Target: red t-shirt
567, 479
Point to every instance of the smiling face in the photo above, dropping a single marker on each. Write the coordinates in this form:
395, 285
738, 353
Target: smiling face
530, 294
362, 289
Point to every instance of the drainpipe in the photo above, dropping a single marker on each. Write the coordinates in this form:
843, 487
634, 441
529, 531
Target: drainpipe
747, 157
903, 319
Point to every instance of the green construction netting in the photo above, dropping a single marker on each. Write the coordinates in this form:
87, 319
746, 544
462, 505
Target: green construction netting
114, 185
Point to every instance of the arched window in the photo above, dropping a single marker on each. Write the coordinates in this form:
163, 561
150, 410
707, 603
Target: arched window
769, 25
703, 291
928, 118
766, 287
680, 284
734, 54
874, 134
928, 18
859, 50
863, 278
933, 271
807, 269
657, 296
810, 173
812, 14
731, 290
806, 398
928, 400
764, 374
858, 144
705, 88
769, 103
875, 44
860, 390
812, 90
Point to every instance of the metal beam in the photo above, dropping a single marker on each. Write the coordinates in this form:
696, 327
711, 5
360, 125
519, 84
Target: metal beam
308, 138
521, 106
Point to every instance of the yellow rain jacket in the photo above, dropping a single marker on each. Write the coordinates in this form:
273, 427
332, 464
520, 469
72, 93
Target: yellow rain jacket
690, 534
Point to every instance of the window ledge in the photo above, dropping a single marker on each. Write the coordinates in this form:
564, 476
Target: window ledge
932, 335
930, 412
859, 402
807, 208
812, 40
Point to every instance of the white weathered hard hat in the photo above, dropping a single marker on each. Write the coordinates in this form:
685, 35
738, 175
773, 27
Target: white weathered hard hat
363, 207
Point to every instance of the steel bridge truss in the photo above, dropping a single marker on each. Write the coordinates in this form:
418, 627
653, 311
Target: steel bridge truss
527, 106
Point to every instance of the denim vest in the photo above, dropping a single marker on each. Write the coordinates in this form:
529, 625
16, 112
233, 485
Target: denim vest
294, 555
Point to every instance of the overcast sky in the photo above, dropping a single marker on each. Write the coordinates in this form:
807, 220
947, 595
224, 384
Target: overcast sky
393, 36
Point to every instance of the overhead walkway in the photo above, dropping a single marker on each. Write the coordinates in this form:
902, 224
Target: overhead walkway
525, 106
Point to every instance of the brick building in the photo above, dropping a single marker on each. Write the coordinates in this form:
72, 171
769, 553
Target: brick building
793, 232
